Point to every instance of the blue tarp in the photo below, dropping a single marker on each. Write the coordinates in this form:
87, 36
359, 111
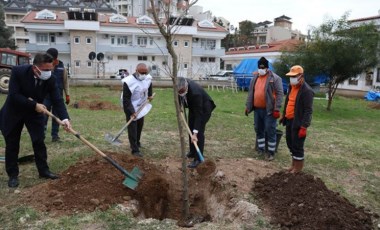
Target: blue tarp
243, 73
372, 96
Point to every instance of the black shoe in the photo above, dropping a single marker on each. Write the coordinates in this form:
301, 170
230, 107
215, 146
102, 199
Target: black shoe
190, 155
56, 139
137, 154
260, 152
13, 182
194, 164
48, 175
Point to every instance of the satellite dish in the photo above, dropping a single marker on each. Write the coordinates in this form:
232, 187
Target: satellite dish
91, 55
100, 56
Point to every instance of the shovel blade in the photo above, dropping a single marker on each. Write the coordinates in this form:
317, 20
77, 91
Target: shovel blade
130, 183
110, 138
137, 173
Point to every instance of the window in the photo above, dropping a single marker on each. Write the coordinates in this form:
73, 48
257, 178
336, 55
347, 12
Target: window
153, 58
42, 38
122, 40
208, 43
203, 59
353, 80
144, 19
77, 63
186, 44
8, 59
175, 43
229, 67
117, 18
142, 41
211, 59
52, 38
89, 64
378, 75
122, 57
88, 40
46, 14
76, 40
151, 41
142, 58
185, 65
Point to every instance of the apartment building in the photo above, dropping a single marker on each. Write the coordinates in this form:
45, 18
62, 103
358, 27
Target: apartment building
121, 42
15, 10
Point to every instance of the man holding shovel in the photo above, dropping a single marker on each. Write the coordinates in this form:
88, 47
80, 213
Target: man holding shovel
200, 105
137, 89
28, 87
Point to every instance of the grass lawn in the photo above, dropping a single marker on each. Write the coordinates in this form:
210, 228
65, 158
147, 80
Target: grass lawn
342, 147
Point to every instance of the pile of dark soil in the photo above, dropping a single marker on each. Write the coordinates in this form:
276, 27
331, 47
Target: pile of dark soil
374, 105
300, 201
95, 105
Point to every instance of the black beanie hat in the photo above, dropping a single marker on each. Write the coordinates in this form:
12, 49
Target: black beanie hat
263, 61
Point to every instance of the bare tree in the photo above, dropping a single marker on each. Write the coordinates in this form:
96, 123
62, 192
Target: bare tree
168, 30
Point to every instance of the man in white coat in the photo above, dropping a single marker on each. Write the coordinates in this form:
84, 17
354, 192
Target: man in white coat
137, 89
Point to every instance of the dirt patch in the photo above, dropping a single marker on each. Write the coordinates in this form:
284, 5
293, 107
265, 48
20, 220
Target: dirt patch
300, 201
95, 105
374, 105
218, 191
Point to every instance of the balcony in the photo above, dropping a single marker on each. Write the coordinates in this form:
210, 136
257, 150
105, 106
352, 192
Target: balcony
34, 48
198, 51
132, 50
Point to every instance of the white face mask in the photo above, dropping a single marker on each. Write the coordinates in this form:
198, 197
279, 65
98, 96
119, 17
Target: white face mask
262, 72
141, 77
183, 94
294, 80
44, 75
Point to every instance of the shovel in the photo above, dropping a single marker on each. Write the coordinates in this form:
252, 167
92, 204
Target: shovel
24, 159
113, 139
201, 158
132, 178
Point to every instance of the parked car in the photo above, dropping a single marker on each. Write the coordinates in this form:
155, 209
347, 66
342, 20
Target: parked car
223, 75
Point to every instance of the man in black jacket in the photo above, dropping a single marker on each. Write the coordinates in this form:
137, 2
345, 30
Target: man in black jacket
28, 87
297, 116
200, 105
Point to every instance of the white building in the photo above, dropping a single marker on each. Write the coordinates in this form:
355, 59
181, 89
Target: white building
121, 42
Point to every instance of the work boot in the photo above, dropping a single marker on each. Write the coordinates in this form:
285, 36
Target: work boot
298, 166
260, 152
13, 182
194, 164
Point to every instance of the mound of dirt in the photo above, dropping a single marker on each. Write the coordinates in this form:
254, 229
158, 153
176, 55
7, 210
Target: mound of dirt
374, 105
95, 105
93, 184
300, 201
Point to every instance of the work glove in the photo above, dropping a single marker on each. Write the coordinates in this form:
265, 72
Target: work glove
246, 112
302, 132
276, 114
67, 99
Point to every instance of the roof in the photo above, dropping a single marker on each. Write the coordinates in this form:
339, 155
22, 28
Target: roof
103, 19
271, 47
365, 19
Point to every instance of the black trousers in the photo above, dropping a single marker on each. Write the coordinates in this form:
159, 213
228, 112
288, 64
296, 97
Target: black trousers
200, 135
35, 127
294, 143
134, 133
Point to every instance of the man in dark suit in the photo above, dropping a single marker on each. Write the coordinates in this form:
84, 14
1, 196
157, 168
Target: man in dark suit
200, 105
28, 87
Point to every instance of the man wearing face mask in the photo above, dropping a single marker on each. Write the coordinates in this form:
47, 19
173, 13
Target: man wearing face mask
297, 116
264, 98
28, 87
200, 105
137, 89
60, 74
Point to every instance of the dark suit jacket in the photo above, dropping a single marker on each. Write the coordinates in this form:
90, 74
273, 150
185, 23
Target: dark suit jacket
199, 103
18, 107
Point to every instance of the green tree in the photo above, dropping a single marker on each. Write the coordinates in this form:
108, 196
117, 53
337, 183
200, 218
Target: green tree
246, 28
6, 40
338, 50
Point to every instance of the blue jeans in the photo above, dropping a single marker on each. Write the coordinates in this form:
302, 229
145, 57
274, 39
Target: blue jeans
265, 125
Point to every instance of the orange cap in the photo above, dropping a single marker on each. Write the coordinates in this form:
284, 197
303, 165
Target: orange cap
294, 71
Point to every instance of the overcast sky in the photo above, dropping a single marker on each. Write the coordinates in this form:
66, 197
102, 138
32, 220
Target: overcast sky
302, 12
